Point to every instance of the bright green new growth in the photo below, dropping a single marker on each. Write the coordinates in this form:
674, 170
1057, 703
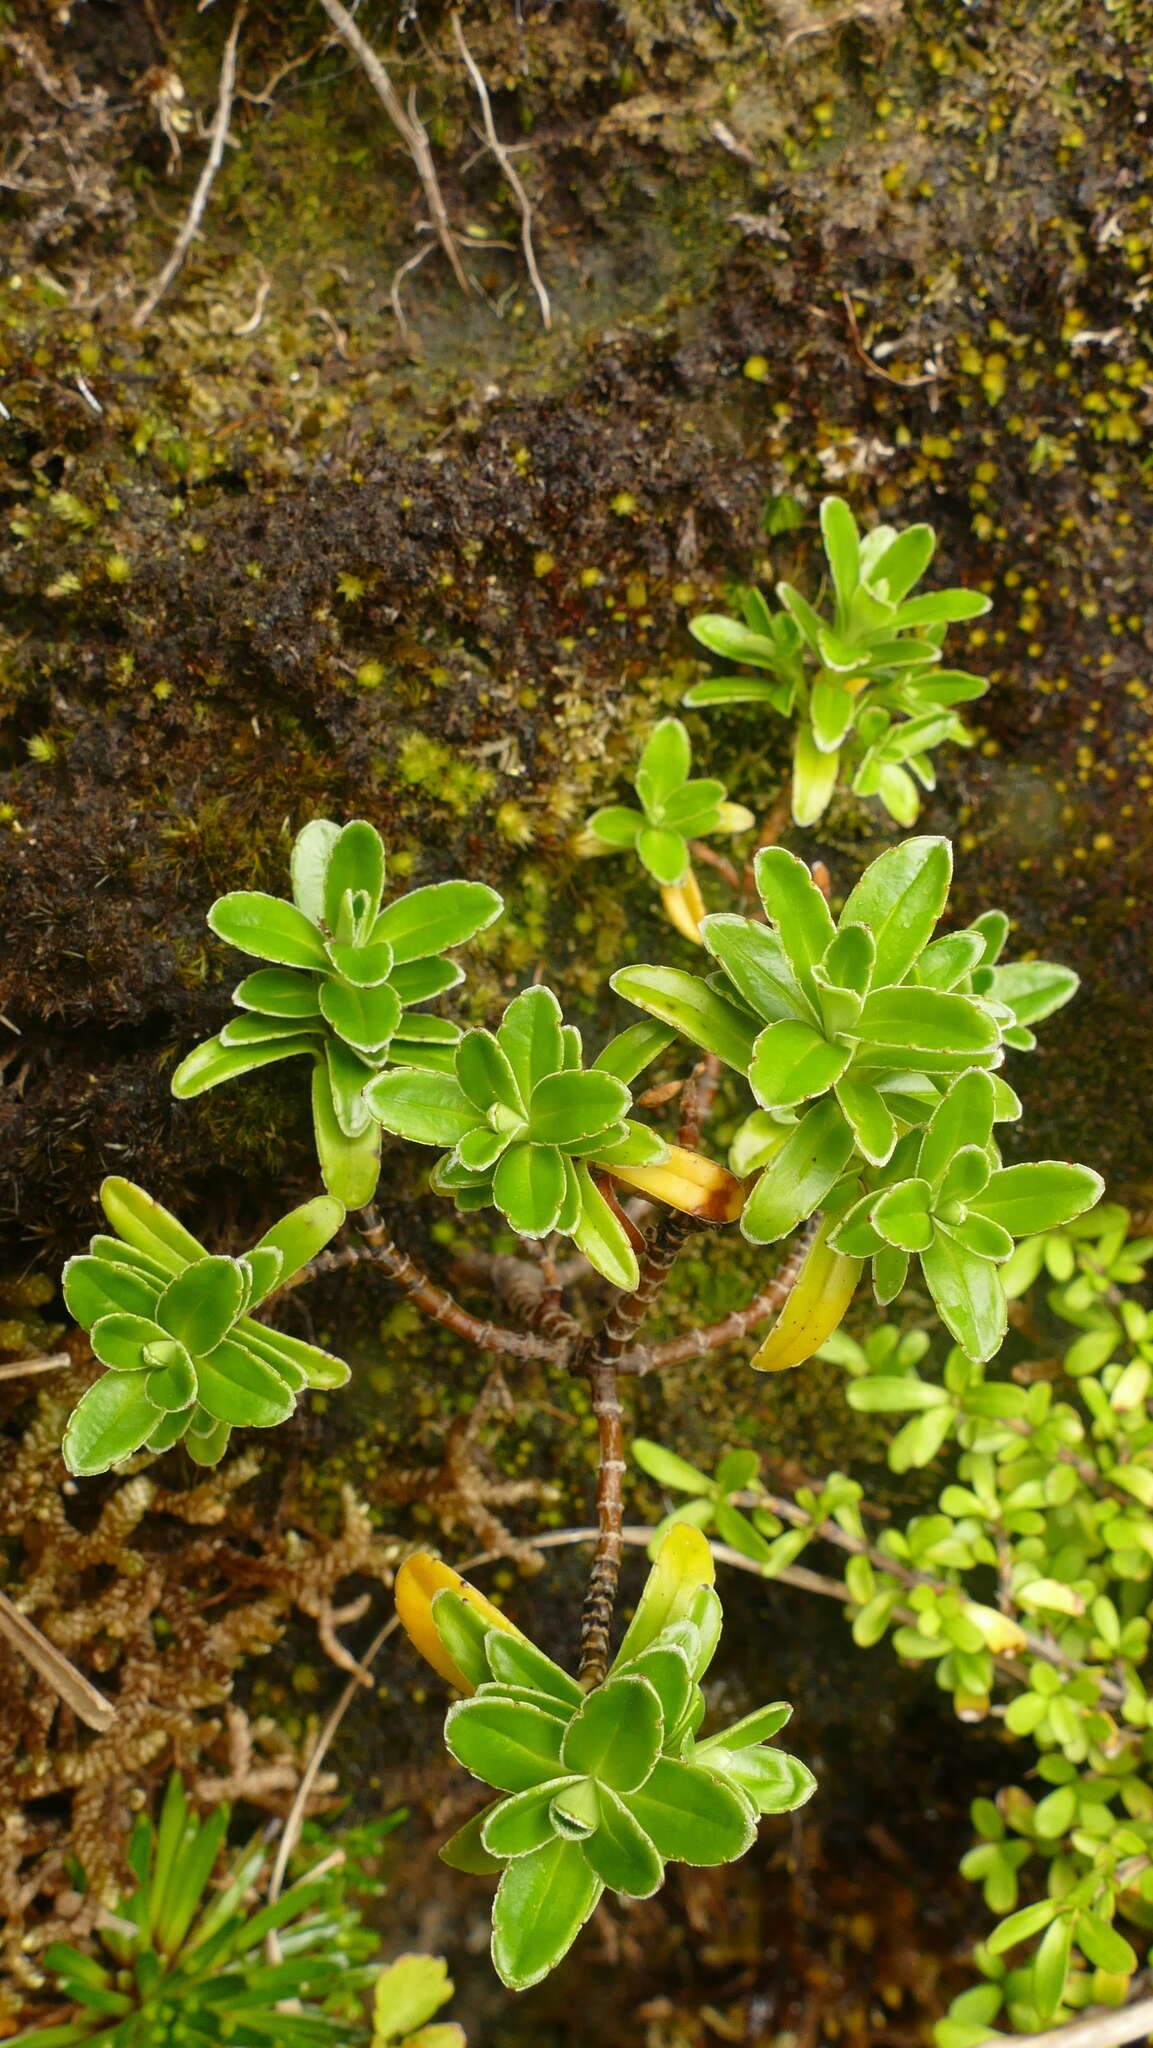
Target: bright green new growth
601, 1790
674, 810
521, 1123
346, 977
865, 685
407, 1994
173, 1326
185, 1964
870, 1046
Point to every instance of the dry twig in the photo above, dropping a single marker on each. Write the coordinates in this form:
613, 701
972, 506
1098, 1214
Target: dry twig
500, 152
1104, 2029
408, 126
74, 1689
24, 1368
217, 143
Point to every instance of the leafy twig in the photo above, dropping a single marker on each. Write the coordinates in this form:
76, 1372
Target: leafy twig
218, 140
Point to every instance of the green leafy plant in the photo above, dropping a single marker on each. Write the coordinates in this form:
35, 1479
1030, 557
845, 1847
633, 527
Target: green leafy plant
869, 1046
524, 1123
407, 1995
674, 810
183, 1960
346, 978
864, 684
173, 1325
599, 1789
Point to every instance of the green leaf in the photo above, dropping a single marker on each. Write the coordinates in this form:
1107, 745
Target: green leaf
484, 1072
895, 1394
1033, 989
146, 1226
632, 1050
740, 690
941, 607
416, 980
541, 1905
296, 1361
842, 546
364, 1017
620, 1852
205, 1439
111, 1421
691, 1816
696, 808
311, 850
407, 1994
757, 965
364, 966
792, 1062
902, 562
523, 1822
870, 1119
798, 909
350, 1166
1039, 1196
771, 1779
602, 1237
504, 1742
902, 1217
1103, 1947
428, 1109
529, 1186
466, 1851
899, 898
513, 1661
968, 1294
616, 824
428, 920
665, 1665
567, 1107
237, 1387
926, 1020
738, 1532
95, 1288
693, 1008
831, 710
172, 1387
268, 927
814, 777
279, 992
664, 764
963, 1117
759, 1726
733, 642
207, 1065
1051, 1968
669, 1470
530, 1034
251, 1029
355, 863
119, 1341
967, 1174
199, 1307
300, 1235
795, 1183
664, 853
616, 1736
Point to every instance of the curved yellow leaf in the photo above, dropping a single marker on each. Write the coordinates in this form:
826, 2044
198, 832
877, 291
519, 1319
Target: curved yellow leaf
813, 1310
685, 907
688, 1181
683, 1563
420, 1578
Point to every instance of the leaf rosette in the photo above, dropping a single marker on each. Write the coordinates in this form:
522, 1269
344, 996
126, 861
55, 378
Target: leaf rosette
345, 976
173, 1326
598, 1790
866, 685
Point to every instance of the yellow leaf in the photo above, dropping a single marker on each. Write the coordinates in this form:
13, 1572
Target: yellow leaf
685, 907
420, 1578
814, 1308
687, 1181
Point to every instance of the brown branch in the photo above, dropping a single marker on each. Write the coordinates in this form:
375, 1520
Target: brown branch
523, 1290
512, 177
408, 126
697, 1100
217, 143
700, 850
698, 1343
874, 369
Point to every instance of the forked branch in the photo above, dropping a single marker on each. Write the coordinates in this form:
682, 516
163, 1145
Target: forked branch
217, 143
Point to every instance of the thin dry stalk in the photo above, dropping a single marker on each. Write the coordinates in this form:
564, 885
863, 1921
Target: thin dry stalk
23, 1368
1105, 2029
408, 126
512, 176
216, 148
74, 1689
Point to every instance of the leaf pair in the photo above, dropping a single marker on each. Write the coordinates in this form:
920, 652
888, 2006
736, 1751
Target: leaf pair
604, 1789
345, 978
849, 677
172, 1324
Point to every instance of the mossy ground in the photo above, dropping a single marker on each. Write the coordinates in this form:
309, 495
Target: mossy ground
269, 555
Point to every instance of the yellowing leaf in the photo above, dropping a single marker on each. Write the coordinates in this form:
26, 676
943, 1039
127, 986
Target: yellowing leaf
418, 1581
687, 1181
814, 1308
685, 907
1004, 1636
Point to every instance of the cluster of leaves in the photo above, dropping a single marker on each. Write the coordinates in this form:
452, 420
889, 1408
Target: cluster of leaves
346, 977
174, 1326
183, 1958
870, 1046
864, 685
675, 809
524, 1121
600, 1789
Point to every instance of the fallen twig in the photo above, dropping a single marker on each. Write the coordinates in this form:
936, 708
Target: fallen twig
874, 368
512, 176
74, 1689
408, 126
217, 143
1108, 2028
23, 1368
